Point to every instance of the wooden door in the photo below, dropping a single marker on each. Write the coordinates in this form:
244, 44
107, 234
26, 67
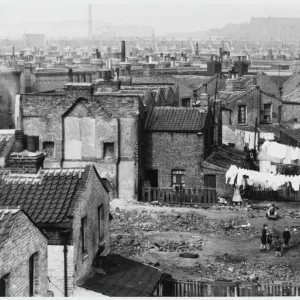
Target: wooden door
210, 194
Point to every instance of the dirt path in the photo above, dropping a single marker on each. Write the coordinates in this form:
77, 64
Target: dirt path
156, 235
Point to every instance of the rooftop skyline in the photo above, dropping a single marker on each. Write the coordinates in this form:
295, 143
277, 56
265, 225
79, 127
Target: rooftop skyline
164, 16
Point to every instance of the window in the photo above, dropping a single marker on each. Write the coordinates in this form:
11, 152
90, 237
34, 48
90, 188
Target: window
186, 102
242, 114
31, 275
267, 112
178, 178
101, 222
83, 235
4, 286
49, 149
109, 150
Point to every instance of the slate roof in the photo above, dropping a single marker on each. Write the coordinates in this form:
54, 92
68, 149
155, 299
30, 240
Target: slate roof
225, 159
279, 79
175, 119
191, 81
7, 219
294, 133
46, 197
124, 278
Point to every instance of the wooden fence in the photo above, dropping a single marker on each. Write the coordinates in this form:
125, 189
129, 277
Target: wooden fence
181, 197
231, 289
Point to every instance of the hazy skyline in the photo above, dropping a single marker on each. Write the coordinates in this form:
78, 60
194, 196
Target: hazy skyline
164, 16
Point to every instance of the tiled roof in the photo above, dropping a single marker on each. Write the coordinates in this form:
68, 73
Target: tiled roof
7, 219
46, 197
124, 278
175, 119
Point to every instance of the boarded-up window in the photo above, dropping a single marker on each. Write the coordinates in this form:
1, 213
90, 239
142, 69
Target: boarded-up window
79, 138
109, 150
49, 149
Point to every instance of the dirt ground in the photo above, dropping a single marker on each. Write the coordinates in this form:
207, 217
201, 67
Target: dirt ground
156, 235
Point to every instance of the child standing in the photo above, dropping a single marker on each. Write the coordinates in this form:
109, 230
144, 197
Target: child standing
263, 238
286, 237
269, 240
277, 245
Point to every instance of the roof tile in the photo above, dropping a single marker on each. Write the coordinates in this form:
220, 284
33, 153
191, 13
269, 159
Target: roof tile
46, 201
175, 119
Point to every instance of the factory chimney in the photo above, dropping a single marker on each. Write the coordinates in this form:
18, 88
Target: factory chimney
90, 21
123, 51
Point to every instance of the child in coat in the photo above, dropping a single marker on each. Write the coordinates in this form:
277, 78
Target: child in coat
263, 238
286, 237
277, 245
269, 240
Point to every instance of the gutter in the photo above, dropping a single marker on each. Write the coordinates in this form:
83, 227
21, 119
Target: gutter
65, 233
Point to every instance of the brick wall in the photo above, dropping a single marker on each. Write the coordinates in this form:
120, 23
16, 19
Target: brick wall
167, 151
93, 196
290, 112
24, 240
252, 101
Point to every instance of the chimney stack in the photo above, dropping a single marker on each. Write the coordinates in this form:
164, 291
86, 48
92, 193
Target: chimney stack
123, 51
19, 141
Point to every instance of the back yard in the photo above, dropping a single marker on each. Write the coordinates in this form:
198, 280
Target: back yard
156, 235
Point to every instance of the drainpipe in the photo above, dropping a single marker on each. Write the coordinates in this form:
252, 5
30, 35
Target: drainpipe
65, 233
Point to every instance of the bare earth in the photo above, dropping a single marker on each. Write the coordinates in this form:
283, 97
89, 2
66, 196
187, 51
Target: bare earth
156, 235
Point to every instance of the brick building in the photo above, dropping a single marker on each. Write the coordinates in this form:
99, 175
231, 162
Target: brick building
71, 206
175, 143
23, 256
80, 125
240, 110
9, 88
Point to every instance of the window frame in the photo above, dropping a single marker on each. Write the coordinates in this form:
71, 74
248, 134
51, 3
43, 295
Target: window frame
240, 121
186, 99
105, 152
32, 271
101, 222
178, 173
83, 230
5, 285
270, 112
45, 149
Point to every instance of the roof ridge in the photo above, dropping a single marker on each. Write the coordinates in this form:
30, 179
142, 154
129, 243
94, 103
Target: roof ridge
292, 76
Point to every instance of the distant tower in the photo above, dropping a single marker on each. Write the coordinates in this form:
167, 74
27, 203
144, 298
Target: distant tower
90, 21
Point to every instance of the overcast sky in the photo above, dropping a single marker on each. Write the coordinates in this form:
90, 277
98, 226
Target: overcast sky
163, 15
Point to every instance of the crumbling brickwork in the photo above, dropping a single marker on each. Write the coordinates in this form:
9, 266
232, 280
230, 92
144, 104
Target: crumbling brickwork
24, 240
115, 119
